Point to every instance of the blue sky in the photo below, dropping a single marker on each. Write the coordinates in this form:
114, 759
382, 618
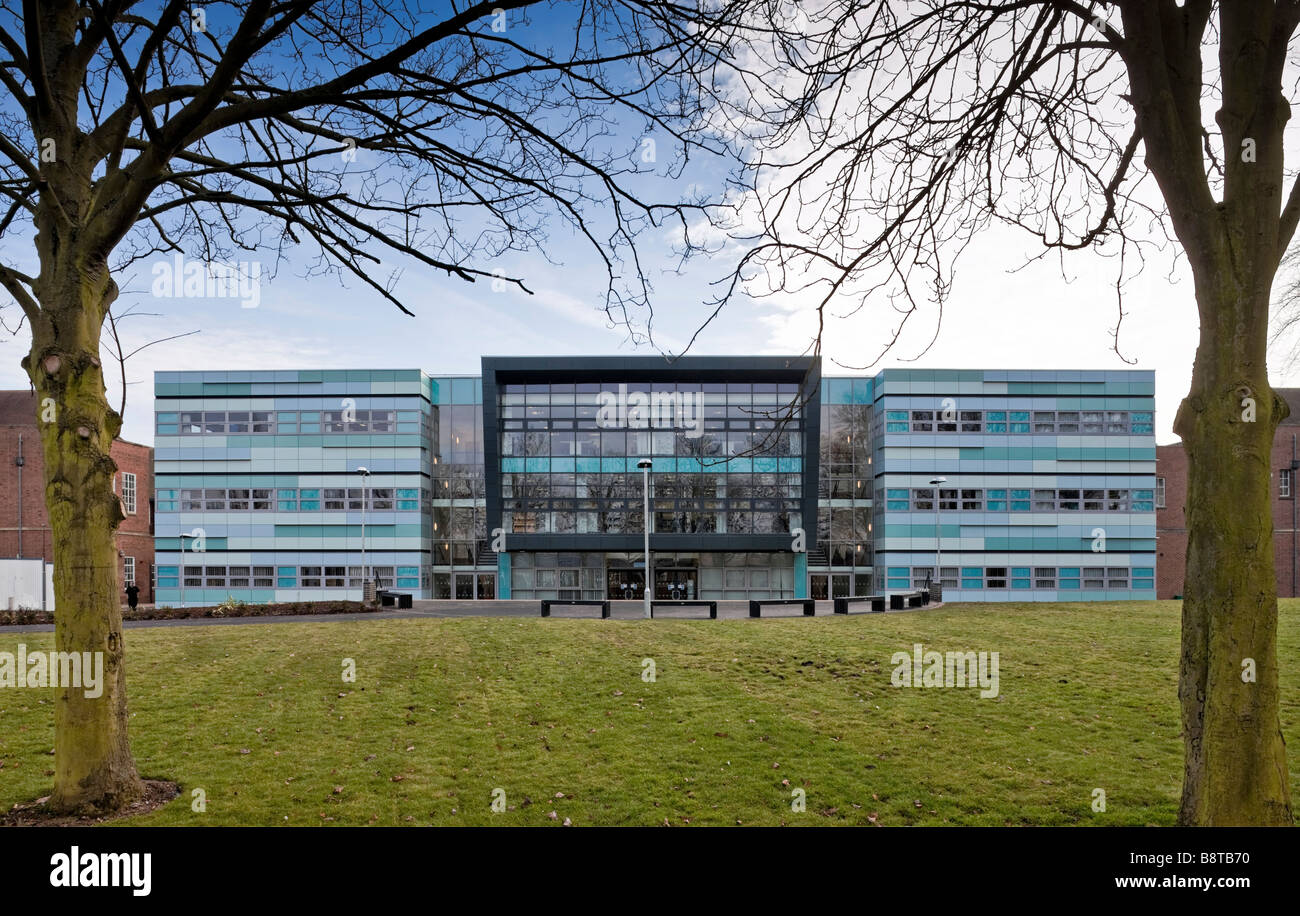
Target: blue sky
1032, 319
995, 318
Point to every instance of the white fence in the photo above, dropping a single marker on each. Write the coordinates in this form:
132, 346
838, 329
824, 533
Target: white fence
27, 584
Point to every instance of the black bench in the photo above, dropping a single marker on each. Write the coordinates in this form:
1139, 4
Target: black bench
603, 605
900, 600
711, 605
877, 603
809, 606
393, 599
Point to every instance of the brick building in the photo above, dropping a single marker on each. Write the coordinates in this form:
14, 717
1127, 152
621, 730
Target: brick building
24, 525
1171, 499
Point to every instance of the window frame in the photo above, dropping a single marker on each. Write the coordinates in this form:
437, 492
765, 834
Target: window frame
128, 505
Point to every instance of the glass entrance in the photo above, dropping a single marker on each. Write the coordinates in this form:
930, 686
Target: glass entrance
820, 592
676, 584
625, 584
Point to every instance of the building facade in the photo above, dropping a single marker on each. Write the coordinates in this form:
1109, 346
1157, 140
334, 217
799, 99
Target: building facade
262, 493
765, 480
1171, 515
25, 529
1049, 489
732, 444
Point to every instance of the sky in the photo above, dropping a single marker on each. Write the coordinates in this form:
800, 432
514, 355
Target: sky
1047, 315
996, 318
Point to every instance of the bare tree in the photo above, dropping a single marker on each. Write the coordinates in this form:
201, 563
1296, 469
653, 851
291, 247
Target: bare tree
887, 135
353, 131
1284, 328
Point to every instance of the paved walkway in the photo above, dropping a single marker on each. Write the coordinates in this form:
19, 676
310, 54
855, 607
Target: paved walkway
620, 610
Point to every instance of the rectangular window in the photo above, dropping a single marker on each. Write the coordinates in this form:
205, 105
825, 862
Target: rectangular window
128, 570
1284, 483
1160, 492
128, 493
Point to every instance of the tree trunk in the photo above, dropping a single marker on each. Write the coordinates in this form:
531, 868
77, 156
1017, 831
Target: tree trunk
1235, 757
93, 768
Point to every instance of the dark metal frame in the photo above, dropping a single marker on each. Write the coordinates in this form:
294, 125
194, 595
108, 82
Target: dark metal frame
802, 370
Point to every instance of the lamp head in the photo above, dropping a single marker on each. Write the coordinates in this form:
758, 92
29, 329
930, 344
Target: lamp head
364, 472
644, 464
935, 481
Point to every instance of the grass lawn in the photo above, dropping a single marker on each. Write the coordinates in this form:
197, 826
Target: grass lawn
555, 713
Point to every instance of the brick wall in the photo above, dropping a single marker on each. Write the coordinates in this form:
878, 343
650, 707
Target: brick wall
1284, 535
1171, 522
135, 536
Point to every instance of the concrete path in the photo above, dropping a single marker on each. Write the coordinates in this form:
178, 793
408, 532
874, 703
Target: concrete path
619, 610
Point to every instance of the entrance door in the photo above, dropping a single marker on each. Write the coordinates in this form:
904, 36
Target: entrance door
676, 584
820, 590
465, 586
625, 584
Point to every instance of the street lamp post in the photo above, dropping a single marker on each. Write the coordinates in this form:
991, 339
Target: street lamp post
938, 542
644, 465
365, 486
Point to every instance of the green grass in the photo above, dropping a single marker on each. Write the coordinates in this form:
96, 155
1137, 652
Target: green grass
556, 713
